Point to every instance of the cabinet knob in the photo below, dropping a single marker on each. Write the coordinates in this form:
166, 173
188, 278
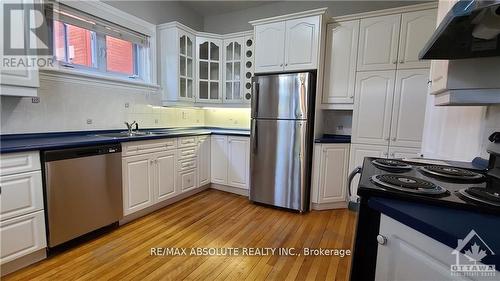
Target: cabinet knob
392, 154
151, 162
394, 61
351, 97
286, 64
385, 153
429, 82
381, 239
401, 61
393, 139
281, 64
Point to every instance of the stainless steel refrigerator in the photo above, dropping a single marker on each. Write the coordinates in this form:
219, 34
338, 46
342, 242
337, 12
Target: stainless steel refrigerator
281, 139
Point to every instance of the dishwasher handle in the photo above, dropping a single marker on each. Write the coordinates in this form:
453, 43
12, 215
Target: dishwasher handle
79, 152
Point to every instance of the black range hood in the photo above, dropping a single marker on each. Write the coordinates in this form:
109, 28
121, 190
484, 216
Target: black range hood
469, 30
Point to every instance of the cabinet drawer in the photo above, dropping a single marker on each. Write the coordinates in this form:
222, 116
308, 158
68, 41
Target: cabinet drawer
13, 163
22, 235
141, 147
187, 153
187, 180
187, 164
187, 141
21, 194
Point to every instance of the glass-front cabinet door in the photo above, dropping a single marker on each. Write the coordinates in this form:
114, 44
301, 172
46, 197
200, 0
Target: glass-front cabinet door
233, 69
186, 66
209, 69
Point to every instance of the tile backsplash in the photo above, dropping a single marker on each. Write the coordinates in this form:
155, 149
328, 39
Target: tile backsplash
69, 106
337, 122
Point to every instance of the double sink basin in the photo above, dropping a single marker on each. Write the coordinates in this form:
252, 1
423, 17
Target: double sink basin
143, 133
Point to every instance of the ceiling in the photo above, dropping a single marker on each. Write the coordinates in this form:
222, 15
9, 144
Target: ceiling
209, 8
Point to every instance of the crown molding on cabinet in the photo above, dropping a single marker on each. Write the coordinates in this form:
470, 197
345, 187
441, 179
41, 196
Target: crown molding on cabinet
377, 13
315, 12
201, 33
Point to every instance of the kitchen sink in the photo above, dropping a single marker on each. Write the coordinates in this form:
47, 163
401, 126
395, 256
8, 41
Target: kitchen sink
126, 134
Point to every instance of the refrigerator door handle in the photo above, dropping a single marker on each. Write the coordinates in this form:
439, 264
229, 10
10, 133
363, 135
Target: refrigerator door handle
253, 135
255, 98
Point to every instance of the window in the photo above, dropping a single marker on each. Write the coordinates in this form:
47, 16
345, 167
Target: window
84, 42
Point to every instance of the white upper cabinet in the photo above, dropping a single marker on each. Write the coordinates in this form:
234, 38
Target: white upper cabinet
233, 70
177, 64
288, 43
416, 29
408, 110
209, 69
378, 43
372, 107
239, 161
301, 43
340, 62
18, 81
270, 47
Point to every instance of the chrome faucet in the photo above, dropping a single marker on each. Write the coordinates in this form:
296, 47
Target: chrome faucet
130, 127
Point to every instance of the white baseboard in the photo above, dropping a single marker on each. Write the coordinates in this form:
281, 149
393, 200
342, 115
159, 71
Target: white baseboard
23, 261
328, 206
231, 189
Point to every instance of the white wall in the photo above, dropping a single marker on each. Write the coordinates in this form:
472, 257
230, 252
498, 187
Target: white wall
238, 20
158, 12
458, 133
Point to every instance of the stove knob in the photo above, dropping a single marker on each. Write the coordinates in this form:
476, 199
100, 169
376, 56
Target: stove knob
381, 239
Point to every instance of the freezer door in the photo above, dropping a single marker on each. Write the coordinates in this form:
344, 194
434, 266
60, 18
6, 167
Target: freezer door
281, 96
279, 163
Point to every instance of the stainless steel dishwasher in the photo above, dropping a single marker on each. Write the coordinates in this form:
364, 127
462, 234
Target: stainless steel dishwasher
83, 188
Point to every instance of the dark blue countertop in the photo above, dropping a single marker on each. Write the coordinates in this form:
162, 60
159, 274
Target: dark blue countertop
45, 141
445, 225
327, 138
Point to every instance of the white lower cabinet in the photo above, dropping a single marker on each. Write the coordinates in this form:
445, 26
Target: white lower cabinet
357, 155
165, 175
239, 162
204, 155
22, 220
404, 152
408, 254
22, 235
330, 170
138, 182
187, 180
230, 163
219, 161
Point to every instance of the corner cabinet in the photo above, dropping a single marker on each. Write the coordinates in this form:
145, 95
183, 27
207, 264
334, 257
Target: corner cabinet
208, 69
233, 70
288, 45
231, 166
177, 64
330, 170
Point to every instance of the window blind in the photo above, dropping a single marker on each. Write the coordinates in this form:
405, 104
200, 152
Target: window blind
81, 19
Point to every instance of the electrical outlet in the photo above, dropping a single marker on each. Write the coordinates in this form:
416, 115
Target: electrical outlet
340, 128
89, 121
127, 105
35, 100
184, 115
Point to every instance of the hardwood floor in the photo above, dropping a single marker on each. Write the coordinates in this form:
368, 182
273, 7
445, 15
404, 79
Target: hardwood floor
209, 219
